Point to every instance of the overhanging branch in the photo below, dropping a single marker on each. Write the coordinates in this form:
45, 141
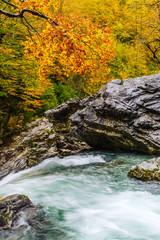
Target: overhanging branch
21, 15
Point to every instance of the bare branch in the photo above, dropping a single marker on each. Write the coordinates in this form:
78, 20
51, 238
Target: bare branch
155, 58
8, 14
28, 29
21, 15
30, 26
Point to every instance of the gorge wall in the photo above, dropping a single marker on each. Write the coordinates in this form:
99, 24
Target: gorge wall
123, 115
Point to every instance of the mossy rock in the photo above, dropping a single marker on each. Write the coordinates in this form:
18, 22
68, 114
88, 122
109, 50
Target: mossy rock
147, 170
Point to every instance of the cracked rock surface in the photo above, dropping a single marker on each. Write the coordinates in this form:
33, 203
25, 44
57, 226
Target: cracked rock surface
39, 141
121, 116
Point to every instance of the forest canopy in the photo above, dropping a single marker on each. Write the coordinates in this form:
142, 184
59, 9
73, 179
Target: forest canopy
51, 51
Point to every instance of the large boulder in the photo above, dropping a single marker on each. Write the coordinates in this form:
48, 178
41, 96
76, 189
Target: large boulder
123, 115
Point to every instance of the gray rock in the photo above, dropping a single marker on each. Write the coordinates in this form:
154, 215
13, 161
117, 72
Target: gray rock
121, 116
18, 215
13, 207
67, 146
29, 148
66, 143
39, 141
63, 111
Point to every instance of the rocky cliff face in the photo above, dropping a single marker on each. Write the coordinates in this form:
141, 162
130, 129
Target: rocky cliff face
39, 141
121, 116
28, 148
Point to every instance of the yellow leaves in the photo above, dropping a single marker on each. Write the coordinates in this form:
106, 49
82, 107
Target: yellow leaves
82, 45
74, 46
42, 6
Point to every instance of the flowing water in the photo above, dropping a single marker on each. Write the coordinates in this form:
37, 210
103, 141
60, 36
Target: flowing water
90, 197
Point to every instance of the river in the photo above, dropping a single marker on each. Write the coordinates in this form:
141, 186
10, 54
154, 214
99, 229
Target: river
90, 197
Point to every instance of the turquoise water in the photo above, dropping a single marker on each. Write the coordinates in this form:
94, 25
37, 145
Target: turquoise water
90, 197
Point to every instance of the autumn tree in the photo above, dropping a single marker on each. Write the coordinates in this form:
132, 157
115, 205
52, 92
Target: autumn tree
131, 23
57, 47
148, 28
75, 42
17, 77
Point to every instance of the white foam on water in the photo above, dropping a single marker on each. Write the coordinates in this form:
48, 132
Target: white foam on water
78, 160
86, 205
51, 163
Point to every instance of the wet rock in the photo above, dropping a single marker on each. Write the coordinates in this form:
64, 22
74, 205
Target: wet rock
39, 141
66, 143
13, 208
147, 170
63, 111
67, 146
18, 215
29, 148
60, 115
121, 116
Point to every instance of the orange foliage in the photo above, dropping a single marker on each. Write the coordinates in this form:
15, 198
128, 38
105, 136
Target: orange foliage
75, 46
